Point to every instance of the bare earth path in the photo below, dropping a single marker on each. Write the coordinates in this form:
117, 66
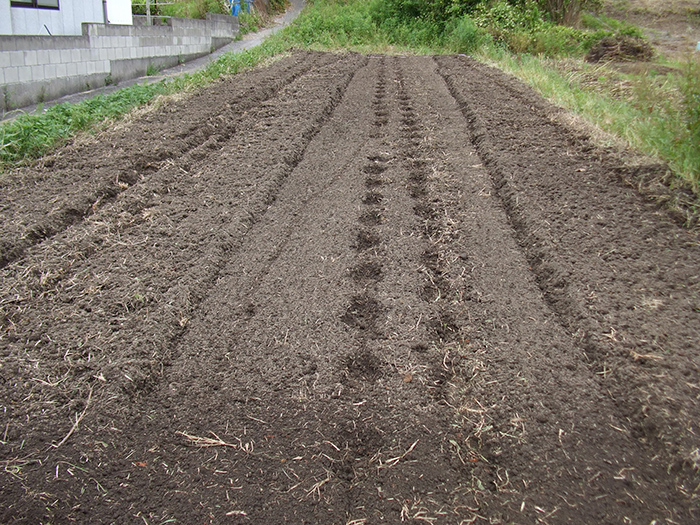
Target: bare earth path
346, 289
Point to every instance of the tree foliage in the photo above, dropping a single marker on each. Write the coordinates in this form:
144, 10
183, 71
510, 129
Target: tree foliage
565, 12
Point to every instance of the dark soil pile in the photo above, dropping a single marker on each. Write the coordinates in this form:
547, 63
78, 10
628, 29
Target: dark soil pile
345, 289
621, 48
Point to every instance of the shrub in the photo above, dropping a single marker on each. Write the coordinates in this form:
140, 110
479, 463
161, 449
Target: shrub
568, 12
464, 36
504, 16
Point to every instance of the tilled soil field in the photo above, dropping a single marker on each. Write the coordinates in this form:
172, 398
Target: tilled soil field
346, 289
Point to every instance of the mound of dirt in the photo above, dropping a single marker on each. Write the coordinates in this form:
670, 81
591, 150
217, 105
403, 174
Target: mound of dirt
621, 47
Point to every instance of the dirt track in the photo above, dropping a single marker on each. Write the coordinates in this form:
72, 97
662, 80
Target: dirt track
387, 289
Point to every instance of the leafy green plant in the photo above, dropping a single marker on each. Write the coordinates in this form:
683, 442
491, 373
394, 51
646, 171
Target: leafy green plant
508, 17
464, 36
181, 8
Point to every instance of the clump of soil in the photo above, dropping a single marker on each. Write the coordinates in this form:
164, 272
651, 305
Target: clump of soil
621, 48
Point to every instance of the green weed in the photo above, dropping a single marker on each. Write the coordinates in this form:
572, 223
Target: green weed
462, 35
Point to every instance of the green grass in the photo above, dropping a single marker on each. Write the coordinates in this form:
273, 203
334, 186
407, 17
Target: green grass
657, 113
31, 136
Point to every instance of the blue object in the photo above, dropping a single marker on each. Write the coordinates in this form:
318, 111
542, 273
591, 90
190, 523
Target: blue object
236, 7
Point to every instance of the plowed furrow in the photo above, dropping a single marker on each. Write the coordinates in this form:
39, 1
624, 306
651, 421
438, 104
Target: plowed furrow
389, 290
94, 172
609, 264
93, 313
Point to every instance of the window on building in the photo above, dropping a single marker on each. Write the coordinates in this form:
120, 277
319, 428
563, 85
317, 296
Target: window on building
35, 4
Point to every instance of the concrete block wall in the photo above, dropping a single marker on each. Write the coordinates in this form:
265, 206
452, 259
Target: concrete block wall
36, 69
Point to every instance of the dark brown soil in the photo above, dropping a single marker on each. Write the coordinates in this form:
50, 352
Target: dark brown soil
346, 289
621, 47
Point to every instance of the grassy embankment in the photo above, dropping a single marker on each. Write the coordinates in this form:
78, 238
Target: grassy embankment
656, 110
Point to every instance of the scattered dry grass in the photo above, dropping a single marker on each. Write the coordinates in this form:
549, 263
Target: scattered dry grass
78, 419
203, 442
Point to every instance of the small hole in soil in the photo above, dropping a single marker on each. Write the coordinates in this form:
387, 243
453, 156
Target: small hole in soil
379, 158
417, 191
362, 313
432, 292
445, 328
409, 121
431, 259
367, 271
371, 217
418, 176
363, 365
421, 348
371, 182
374, 169
366, 239
373, 197
424, 211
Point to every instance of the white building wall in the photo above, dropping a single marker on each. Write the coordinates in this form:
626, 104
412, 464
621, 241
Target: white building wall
5, 19
119, 12
66, 21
